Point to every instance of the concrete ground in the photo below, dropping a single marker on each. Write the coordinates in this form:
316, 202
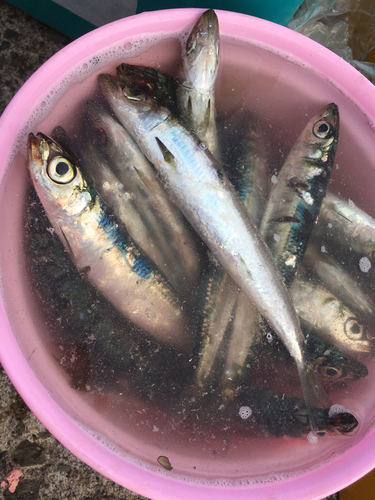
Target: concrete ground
49, 471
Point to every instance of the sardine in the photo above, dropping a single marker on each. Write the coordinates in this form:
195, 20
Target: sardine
170, 243
101, 247
330, 363
329, 316
81, 322
215, 211
278, 415
295, 200
198, 72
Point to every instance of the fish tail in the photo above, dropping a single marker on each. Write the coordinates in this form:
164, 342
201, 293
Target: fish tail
315, 397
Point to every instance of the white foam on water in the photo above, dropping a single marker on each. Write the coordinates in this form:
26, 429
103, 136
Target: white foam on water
336, 409
124, 49
312, 437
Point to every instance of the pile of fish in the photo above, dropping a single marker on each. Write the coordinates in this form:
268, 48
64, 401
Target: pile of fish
171, 256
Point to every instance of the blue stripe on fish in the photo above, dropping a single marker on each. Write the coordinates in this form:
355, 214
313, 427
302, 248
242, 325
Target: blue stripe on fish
119, 236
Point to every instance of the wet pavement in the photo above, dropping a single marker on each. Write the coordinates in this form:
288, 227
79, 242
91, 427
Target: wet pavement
33, 465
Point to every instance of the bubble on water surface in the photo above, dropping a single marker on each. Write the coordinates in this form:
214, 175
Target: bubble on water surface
364, 265
336, 409
245, 412
312, 437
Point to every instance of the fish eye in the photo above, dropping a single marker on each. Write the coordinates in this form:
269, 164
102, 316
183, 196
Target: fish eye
353, 329
146, 86
60, 170
331, 372
322, 129
134, 94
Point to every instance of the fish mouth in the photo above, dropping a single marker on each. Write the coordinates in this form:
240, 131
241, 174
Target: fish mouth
331, 114
33, 143
208, 23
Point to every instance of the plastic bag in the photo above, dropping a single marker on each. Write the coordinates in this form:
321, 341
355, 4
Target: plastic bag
347, 27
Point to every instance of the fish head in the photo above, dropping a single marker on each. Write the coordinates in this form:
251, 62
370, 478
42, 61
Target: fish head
337, 367
56, 177
131, 104
343, 423
353, 334
330, 362
201, 58
321, 136
153, 83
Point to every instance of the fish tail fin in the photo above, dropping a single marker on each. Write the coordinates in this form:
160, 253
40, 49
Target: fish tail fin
315, 397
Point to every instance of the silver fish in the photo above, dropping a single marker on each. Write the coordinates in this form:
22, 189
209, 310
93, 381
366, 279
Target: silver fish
101, 248
198, 72
295, 200
328, 315
171, 244
197, 186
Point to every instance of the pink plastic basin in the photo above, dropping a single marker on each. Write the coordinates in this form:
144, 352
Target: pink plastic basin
299, 76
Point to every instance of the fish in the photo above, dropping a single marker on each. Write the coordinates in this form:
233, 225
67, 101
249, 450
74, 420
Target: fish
197, 76
215, 211
87, 329
329, 362
295, 199
167, 239
262, 413
101, 248
279, 415
344, 229
329, 316
90, 324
